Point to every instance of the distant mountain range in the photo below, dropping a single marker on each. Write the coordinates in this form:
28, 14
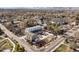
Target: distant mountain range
57, 8
46, 8
38, 8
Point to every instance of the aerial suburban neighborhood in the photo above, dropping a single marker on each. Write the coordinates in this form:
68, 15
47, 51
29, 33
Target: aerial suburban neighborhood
49, 29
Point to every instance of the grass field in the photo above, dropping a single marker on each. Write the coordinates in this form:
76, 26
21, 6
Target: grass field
63, 48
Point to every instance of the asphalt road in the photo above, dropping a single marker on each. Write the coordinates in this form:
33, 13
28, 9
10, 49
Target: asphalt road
55, 44
28, 47
14, 37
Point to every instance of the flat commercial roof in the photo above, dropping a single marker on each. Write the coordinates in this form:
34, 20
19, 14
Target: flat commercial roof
35, 28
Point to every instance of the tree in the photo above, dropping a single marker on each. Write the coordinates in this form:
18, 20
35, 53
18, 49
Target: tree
19, 48
1, 32
77, 20
31, 22
54, 28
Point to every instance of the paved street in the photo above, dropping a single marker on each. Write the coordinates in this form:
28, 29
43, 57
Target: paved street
27, 47
55, 44
14, 37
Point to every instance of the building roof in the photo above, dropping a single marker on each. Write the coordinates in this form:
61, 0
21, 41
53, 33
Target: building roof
33, 29
59, 20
